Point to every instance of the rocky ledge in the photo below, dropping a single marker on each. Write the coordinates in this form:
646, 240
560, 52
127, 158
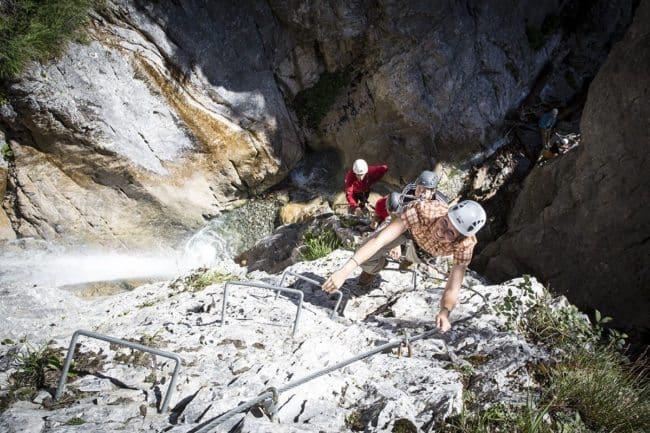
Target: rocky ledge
116, 388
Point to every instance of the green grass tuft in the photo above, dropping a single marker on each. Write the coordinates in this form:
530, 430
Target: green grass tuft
317, 244
609, 394
75, 421
38, 30
589, 387
36, 367
200, 281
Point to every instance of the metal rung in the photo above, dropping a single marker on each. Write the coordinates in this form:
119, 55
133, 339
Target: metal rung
338, 293
273, 393
132, 345
262, 286
412, 271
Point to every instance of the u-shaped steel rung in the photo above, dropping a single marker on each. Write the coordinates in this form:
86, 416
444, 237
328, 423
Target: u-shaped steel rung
262, 286
338, 293
412, 271
132, 345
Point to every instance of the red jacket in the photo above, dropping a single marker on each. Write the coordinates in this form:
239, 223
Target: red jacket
381, 213
354, 186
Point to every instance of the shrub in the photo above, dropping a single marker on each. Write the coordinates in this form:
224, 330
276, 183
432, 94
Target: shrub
609, 395
37, 367
37, 30
317, 244
546, 321
500, 418
562, 326
590, 385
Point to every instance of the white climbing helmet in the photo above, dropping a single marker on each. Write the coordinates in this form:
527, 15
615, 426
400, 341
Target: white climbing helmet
467, 217
360, 167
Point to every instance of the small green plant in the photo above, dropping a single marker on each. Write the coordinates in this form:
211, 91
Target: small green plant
319, 243
151, 378
202, 279
353, 421
37, 367
498, 418
560, 327
6, 152
513, 304
75, 421
613, 336
37, 30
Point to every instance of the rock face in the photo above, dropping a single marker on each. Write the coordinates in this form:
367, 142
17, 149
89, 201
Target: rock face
582, 222
153, 125
6, 232
224, 366
172, 110
423, 83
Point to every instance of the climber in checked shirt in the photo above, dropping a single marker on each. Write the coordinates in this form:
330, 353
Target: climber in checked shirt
436, 230
358, 182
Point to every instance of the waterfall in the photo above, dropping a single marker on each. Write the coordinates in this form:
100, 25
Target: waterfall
37, 263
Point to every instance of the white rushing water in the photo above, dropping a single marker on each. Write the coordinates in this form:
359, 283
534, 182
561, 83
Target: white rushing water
29, 262
37, 263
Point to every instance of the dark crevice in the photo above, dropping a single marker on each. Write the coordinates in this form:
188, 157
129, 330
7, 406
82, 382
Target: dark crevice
302, 410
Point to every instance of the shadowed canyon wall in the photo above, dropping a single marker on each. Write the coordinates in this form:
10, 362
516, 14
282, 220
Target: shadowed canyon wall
582, 223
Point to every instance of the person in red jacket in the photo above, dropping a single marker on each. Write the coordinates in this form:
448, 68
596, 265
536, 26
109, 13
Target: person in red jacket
358, 182
384, 208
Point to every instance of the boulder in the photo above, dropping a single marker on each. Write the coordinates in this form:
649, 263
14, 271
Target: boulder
302, 212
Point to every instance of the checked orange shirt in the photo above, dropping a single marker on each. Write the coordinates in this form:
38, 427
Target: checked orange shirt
420, 218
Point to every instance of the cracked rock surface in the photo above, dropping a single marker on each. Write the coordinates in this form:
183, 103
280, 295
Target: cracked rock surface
223, 366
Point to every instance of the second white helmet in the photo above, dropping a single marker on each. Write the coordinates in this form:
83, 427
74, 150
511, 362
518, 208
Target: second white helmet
360, 167
468, 217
